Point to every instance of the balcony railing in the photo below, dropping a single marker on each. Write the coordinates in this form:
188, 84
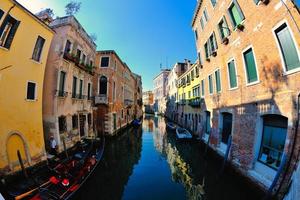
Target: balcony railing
101, 99
196, 102
73, 58
128, 102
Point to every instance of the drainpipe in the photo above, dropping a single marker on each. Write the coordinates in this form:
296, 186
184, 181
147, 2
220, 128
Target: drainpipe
293, 148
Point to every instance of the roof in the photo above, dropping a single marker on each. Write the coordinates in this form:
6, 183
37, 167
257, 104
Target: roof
199, 3
33, 16
162, 71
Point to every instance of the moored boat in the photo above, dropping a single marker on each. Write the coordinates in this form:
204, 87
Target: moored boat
171, 126
183, 134
136, 122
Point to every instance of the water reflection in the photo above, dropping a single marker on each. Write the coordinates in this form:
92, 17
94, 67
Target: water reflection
149, 163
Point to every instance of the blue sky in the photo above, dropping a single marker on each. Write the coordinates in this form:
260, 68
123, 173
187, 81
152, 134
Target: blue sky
144, 33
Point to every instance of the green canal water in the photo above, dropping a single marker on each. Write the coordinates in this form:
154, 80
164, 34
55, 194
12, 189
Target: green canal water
148, 163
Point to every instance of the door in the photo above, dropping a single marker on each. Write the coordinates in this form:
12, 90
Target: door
82, 120
115, 121
227, 127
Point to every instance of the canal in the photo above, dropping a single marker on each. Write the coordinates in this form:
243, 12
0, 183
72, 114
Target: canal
148, 163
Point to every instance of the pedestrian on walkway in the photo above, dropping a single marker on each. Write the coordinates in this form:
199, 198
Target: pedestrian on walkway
53, 146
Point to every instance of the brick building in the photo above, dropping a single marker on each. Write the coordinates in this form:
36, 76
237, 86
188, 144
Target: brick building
67, 105
114, 93
250, 71
160, 85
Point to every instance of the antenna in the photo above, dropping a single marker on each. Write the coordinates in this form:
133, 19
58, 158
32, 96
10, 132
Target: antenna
160, 66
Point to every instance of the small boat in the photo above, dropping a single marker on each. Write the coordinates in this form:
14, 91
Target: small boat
136, 122
182, 133
67, 177
171, 126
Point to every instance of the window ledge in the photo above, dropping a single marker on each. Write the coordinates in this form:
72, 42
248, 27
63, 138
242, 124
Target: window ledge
3, 48
36, 62
31, 100
253, 83
232, 89
263, 174
293, 71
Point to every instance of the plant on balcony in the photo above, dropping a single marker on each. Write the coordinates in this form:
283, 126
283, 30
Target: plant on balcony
225, 40
240, 27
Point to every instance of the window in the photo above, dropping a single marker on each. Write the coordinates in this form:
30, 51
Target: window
226, 127
250, 66
207, 122
192, 75
80, 89
38, 48
201, 22
75, 121
232, 74
196, 34
235, 13
213, 42
211, 87
78, 54
205, 14
62, 124
273, 140
83, 59
74, 90
114, 91
218, 80
90, 120
202, 88
197, 71
91, 63
1, 13
103, 85
104, 61
61, 86
68, 47
89, 91
200, 58
223, 29
189, 94
8, 30
207, 50
287, 47
213, 2
31, 90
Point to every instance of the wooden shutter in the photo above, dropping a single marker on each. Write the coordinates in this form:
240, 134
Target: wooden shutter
241, 15
12, 33
74, 87
288, 48
250, 66
232, 74
218, 81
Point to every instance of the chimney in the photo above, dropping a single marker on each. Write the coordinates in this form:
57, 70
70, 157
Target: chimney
46, 16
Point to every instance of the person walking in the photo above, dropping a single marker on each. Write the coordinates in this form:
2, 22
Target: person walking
53, 146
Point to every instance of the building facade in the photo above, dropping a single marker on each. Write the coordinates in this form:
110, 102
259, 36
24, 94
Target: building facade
172, 88
67, 105
21, 85
189, 99
138, 96
249, 53
114, 93
159, 91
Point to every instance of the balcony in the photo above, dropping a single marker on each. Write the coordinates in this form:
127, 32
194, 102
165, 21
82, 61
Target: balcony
182, 102
73, 58
101, 99
128, 102
196, 102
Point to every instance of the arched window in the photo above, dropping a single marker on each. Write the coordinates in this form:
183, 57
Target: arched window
103, 85
273, 140
226, 127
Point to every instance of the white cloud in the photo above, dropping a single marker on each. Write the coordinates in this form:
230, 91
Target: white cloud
34, 5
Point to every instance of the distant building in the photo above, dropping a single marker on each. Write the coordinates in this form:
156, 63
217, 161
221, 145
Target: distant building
138, 96
159, 91
24, 45
249, 59
67, 105
115, 93
148, 102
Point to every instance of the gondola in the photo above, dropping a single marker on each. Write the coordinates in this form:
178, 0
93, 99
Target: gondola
136, 122
66, 185
183, 134
67, 177
171, 126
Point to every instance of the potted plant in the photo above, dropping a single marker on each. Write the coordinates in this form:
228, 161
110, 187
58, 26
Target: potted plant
241, 27
265, 1
225, 40
208, 59
214, 53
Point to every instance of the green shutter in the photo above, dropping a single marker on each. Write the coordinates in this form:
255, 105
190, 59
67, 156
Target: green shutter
211, 89
288, 48
218, 81
250, 66
232, 74
202, 88
62, 81
236, 14
256, 1
201, 22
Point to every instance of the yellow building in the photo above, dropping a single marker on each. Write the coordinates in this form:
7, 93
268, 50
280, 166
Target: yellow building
24, 45
189, 99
